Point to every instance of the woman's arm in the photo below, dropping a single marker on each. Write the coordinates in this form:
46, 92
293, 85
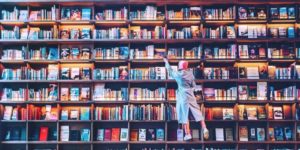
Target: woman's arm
173, 73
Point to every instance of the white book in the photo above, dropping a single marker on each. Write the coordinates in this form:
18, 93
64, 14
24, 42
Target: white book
7, 112
142, 134
100, 134
64, 133
252, 73
124, 134
179, 134
219, 134
262, 90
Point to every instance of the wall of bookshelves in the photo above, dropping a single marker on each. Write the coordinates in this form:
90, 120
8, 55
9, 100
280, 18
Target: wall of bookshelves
90, 75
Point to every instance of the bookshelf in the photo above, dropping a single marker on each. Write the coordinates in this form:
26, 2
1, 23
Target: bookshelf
83, 66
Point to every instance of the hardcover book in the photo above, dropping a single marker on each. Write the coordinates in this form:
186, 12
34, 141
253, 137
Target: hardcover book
228, 134
43, 133
243, 133
107, 135
115, 134
142, 134
124, 134
219, 134
260, 134
74, 96
86, 13
179, 134
134, 135
277, 111
85, 135
100, 135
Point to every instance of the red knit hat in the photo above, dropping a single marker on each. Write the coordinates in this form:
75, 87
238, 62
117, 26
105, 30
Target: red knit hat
183, 65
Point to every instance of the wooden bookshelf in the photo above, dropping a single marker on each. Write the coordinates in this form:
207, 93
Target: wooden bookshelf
168, 125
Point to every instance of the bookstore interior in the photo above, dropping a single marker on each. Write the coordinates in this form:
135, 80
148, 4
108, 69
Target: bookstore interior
90, 74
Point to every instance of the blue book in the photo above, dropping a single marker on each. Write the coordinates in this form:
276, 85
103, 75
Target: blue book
85, 135
53, 53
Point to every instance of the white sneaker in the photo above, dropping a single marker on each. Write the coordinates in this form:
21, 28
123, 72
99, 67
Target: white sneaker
187, 137
205, 134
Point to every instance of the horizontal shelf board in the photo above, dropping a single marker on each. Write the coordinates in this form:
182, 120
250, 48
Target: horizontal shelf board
110, 102
147, 142
43, 121
42, 142
13, 121
74, 142
109, 121
14, 142
110, 142
147, 121
146, 101
74, 121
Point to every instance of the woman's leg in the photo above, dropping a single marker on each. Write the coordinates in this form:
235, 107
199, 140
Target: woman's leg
203, 124
186, 128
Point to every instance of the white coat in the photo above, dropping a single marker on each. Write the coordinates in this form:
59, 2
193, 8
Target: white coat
185, 98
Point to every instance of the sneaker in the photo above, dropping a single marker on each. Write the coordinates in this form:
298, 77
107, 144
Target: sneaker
187, 137
205, 134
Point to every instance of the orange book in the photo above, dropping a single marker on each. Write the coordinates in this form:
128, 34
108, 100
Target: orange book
134, 135
208, 114
270, 112
43, 133
115, 134
287, 112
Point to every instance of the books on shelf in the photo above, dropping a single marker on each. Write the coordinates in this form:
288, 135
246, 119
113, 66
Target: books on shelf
114, 73
252, 112
256, 51
14, 53
151, 73
147, 112
14, 73
223, 134
43, 93
252, 13
64, 133
184, 33
111, 33
75, 73
252, 134
75, 53
111, 113
147, 134
224, 52
150, 52
219, 113
275, 72
185, 13
283, 51
14, 14
15, 133
11, 34
46, 112
44, 14
75, 94
280, 133
219, 73
282, 12
121, 52
112, 14
219, 13
102, 93
220, 94
138, 32
112, 134
13, 94
14, 113
283, 94
185, 53
282, 32
140, 94
218, 32
71, 13
75, 113
149, 12
74, 33
252, 31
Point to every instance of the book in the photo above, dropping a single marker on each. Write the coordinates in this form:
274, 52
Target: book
85, 135
64, 133
277, 111
243, 133
252, 132
74, 114
287, 112
43, 133
261, 112
260, 134
219, 134
85, 74
75, 14
252, 73
150, 135
64, 94
134, 135
195, 134
75, 73
251, 113
107, 135
7, 112
271, 134
75, 135
85, 93
278, 132
115, 134
64, 115
228, 114
84, 113
142, 134
75, 53
228, 134
124, 134
262, 90
86, 13
100, 135
179, 134
288, 133
65, 73
74, 96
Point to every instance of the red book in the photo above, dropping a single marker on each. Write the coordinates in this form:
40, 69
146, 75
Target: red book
43, 133
107, 135
115, 134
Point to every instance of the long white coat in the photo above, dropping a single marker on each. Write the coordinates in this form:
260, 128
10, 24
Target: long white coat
185, 99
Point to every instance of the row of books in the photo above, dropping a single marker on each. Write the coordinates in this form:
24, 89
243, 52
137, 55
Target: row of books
114, 73
150, 12
112, 134
102, 92
277, 133
219, 13
184, 53
112, 14
152, 73
158, 32
42, 53
147, 112
68, 134
149, 134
